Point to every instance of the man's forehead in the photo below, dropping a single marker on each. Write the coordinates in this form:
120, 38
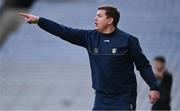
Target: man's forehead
157, 62
101, 11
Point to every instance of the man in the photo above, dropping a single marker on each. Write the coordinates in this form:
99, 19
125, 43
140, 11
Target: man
165, 83
112, 53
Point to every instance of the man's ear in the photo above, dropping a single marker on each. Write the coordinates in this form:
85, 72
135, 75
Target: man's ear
110, 21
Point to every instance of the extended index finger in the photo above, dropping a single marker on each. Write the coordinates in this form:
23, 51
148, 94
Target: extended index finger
24, 15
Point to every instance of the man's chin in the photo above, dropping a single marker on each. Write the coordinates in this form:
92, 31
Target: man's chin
97, 29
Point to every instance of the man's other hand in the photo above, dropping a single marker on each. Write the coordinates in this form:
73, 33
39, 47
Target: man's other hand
31, 19
154, 96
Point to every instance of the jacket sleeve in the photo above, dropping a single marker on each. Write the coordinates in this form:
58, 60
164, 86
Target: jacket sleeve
74, 36
142, 64
166, 86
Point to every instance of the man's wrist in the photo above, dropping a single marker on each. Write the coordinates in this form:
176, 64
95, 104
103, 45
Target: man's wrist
37, 20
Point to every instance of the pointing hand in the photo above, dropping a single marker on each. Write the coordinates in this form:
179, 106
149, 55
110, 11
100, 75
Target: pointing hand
31, 19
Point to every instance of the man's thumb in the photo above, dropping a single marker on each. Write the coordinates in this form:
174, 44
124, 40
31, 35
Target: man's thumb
150, 98
28, 20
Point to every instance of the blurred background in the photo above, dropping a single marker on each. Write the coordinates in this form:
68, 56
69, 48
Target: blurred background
41, 71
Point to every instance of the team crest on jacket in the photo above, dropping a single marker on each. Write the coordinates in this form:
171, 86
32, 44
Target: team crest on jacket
114, 50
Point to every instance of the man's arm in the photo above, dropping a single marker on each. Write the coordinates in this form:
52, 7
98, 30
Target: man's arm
75, 36
144, 67
166, 86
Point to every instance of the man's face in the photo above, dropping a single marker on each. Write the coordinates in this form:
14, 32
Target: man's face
159, 66
101, 20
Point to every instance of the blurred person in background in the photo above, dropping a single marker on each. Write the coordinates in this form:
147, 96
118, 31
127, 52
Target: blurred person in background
164, 78
112, 54
9, 19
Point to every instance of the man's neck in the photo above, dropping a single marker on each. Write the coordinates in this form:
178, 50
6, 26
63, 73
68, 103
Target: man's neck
160, 73
108, 30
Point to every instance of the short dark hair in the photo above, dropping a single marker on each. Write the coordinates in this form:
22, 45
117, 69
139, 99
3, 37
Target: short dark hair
111, 11
160, 59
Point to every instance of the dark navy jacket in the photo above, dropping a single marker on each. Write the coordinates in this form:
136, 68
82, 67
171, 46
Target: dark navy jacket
112, 57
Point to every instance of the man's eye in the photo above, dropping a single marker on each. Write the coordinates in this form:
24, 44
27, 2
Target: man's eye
99, 15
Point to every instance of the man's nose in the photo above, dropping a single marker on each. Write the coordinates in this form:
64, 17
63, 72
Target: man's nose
95, 18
